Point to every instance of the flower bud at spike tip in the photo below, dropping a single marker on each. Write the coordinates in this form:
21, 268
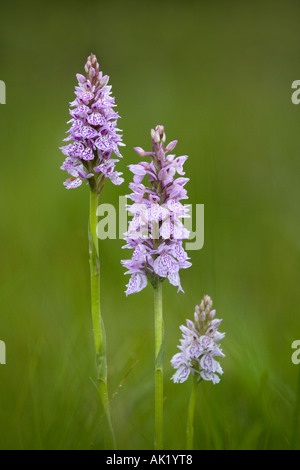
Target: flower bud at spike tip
139, 151
202, 316
171, 146
212, 314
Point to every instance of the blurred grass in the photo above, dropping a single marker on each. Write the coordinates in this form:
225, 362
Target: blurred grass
218, 75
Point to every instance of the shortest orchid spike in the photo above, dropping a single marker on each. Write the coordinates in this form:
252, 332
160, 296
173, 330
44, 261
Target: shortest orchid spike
199, 346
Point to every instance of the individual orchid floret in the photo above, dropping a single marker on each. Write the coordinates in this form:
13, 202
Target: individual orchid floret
93, 135
199, 346
156, 231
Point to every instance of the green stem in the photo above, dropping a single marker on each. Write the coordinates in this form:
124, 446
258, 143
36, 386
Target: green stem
98, 326
191, 416
159, 359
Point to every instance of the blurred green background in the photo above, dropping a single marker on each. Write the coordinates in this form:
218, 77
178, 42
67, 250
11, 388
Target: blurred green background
218, 75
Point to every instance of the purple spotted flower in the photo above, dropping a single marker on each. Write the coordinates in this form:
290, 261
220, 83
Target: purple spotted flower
199, 346
156, 231
93, 135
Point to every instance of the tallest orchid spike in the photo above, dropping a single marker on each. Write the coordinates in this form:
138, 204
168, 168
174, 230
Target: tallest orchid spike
156, 232
93, 133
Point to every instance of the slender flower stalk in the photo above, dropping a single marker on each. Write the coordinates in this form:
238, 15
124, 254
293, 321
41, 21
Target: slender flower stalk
156, 234
198, 349
191, 416
98, 325
159, 365
93, 138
